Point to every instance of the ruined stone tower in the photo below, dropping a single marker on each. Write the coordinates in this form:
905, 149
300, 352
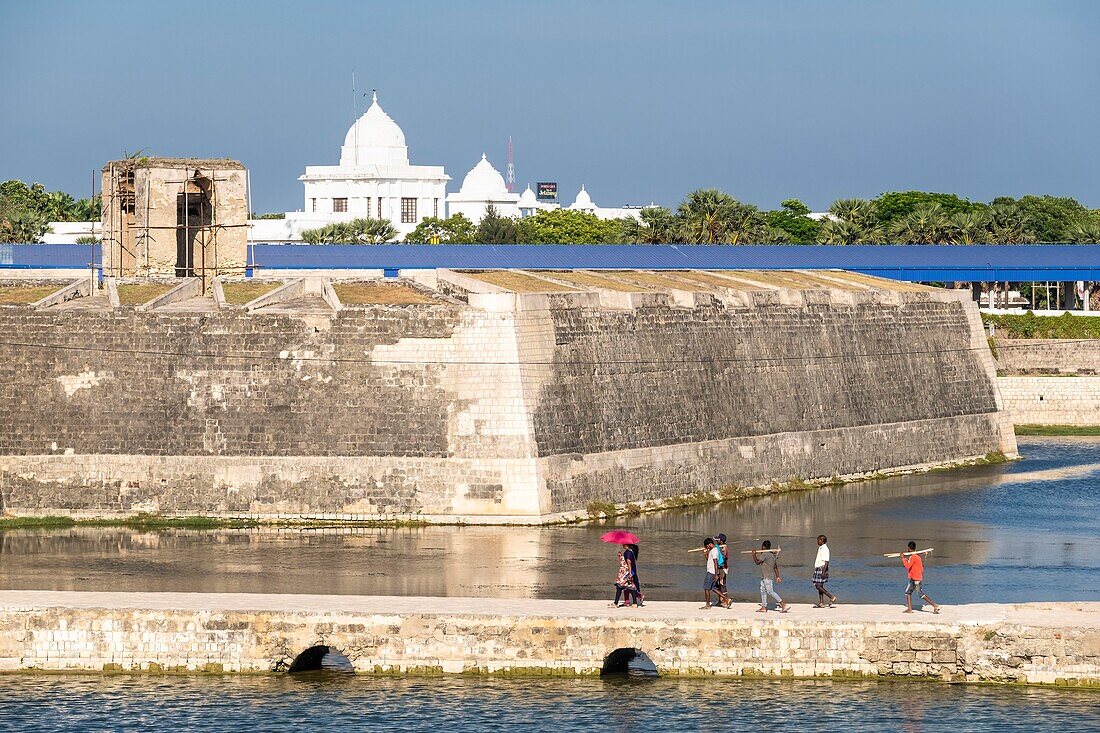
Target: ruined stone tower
186, 217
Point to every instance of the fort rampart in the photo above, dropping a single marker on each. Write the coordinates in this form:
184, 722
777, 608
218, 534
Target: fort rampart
474, 400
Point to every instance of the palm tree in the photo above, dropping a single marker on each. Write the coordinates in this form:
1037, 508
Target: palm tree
88, 209
657, 226
968, 227
855, 222
58, 206
926, 224
1084, 233
356, 231
1008, 225
704, 216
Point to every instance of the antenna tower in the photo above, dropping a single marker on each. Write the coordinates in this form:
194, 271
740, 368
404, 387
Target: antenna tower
511, 167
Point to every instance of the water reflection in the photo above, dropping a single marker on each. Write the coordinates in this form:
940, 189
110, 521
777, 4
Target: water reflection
71, 702
1022, 531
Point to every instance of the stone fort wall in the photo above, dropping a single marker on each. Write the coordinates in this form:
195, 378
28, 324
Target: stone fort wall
494, 405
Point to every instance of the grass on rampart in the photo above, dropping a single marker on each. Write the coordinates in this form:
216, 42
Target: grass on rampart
1030, 326
239, 293
1058, 430
133, 294
18, 295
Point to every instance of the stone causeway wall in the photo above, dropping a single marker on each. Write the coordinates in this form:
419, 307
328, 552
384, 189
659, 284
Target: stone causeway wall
1032, 643
1047, 356
483, 406
1068, 400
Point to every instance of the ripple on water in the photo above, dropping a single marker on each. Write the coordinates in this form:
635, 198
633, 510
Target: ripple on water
135, 702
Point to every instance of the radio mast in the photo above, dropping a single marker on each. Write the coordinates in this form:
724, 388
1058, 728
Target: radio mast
511, 167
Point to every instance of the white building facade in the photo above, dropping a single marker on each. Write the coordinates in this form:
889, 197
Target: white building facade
483, 186
374, 179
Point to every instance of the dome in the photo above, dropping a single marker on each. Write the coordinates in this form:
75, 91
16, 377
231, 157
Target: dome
527, 199
483, 180
584, 201
374, 139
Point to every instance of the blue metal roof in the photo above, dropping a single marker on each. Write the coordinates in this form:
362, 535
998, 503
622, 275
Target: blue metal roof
48, 256
920, 263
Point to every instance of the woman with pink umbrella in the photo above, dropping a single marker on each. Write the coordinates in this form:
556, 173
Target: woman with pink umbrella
626, 581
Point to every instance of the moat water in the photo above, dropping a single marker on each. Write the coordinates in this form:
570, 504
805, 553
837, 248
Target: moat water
149, 703
1022, 531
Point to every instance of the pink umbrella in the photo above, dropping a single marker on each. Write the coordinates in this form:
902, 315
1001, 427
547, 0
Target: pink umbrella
620, 537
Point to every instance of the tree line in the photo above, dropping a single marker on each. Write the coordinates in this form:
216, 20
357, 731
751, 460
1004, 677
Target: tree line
709, 216
705, 216
26, 211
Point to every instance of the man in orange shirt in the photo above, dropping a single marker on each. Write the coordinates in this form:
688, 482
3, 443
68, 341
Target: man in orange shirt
915, 565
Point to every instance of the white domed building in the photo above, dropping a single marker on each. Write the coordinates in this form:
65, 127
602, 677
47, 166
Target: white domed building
374, 179
483, 186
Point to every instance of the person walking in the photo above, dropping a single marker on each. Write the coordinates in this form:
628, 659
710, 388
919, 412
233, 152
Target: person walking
723, 565
630, 554
768, 564
915, 567
624, 580
821, 573
709, 579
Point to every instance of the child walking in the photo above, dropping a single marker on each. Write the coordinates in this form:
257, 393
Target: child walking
915, 565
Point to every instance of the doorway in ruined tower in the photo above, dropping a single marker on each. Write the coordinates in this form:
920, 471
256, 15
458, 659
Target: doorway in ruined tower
194, 214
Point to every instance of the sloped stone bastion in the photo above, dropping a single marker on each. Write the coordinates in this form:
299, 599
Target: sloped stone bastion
503, 396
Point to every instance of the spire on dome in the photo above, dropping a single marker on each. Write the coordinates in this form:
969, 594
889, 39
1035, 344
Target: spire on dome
374, 139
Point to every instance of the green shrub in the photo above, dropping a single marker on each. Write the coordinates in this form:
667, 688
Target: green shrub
1030, 326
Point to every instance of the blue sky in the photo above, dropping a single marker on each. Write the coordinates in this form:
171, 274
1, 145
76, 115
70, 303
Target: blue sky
642, 101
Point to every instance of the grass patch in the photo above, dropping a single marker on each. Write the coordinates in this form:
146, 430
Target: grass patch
139, 294
25, 295
632, 510
1065, 430
137, 521
379, 294
241, 293
154, 522
601, 508
519, 282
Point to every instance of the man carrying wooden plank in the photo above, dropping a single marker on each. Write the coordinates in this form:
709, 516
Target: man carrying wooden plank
767, 561
915, 565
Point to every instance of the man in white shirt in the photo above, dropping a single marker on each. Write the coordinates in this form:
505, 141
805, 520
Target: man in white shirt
710, 580
821, 573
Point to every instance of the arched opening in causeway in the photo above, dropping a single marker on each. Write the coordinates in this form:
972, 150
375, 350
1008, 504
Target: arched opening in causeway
628, 662
321, 658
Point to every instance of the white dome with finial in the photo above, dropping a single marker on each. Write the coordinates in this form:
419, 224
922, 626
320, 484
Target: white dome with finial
527, 199
584, 201
483, 180
374, 139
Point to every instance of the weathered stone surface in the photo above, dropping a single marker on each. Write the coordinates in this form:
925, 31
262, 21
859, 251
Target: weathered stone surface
527, 408
259, 633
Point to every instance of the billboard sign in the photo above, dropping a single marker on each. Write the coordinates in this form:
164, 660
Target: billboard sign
547, 191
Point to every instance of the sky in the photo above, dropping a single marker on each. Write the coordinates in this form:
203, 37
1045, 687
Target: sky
641, 101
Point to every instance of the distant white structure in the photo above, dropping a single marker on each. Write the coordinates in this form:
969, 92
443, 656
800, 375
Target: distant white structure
529, 203
584, 203
67, 232
374, 179
483, 186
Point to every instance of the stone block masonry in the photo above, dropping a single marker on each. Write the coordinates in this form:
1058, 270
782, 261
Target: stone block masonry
482, 404
1072, 401
1053, 643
